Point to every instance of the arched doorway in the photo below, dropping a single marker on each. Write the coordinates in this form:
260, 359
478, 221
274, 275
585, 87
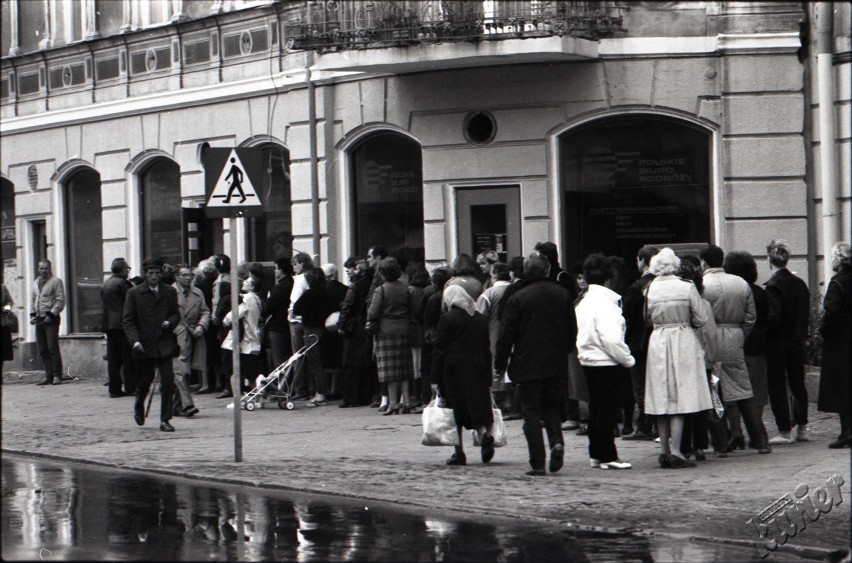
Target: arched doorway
387, 171
161, 212
84, 249
632, 180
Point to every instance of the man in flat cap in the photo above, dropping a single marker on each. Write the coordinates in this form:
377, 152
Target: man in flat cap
150, 316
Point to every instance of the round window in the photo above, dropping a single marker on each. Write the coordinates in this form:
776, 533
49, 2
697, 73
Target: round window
479, 127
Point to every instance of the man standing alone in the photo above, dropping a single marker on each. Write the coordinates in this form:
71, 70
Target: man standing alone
538, 331
194, 321
150, 316
47, 303
118, 350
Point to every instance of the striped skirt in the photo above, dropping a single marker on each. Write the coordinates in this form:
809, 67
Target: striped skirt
393, 357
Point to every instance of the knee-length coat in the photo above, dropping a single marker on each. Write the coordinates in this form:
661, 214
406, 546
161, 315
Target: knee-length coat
836, 331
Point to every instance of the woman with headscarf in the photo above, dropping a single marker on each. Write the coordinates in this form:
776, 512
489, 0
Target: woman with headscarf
676, 383
461, 368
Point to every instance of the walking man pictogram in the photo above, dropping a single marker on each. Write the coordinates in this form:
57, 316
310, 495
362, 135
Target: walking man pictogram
236, 183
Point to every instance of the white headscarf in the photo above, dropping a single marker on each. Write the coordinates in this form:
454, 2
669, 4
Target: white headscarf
456, 296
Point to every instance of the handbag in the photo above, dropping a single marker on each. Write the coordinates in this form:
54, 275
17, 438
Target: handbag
498, 429
439, 425
10, 321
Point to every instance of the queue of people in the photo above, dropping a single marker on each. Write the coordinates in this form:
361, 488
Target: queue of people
694, 347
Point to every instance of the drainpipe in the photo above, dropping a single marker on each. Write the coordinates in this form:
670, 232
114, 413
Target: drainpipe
312, 129
824, 15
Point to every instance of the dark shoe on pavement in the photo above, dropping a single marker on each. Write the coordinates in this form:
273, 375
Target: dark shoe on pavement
139, 414
117, 395
224, 395
375, 404
557, 457
764, 450
639, 435
106, 384
536, 473
190, 411
677, 462
457, 459
166, 427
512, 416
383, 408
57, 381
664, 461
46, 381
345, 405
840, 442
571, 425
487, 447
627, 430
583, 431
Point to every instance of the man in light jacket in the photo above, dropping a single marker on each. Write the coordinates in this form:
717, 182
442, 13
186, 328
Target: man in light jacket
48, 301
194, 322
605, 359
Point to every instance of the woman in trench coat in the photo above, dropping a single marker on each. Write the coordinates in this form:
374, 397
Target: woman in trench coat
676, 383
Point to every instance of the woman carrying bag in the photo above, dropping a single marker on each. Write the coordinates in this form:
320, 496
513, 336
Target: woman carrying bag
461, 368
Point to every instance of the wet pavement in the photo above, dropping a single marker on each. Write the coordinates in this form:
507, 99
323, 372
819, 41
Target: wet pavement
358, 455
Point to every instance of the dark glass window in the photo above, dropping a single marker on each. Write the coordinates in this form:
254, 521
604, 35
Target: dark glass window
388, 175
271, 236
161, 219
85, 251
8, 252
631, 181
110, 17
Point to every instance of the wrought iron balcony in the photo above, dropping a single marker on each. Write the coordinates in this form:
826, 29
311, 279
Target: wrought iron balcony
344, 25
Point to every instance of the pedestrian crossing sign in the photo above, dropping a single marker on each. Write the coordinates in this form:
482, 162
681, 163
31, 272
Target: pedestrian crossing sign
230, 176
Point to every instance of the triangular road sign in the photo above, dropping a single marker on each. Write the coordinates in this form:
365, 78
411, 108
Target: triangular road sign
233, 189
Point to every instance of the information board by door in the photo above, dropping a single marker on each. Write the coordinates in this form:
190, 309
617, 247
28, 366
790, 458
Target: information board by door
489, 218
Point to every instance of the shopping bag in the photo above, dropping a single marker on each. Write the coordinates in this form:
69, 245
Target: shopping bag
439, 426
498, 429
718, 405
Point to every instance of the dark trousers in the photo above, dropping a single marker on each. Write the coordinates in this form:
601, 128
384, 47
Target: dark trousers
145, 376
540, 401
695, 432
47, 338
357, 389
318, 378
785, 363
282, 349
758, 437
118, 359
637, 379
604, 384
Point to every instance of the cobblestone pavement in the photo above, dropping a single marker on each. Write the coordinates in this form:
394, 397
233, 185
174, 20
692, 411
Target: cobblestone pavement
357, 453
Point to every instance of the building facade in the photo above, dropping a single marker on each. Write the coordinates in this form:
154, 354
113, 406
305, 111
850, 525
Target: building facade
431, 127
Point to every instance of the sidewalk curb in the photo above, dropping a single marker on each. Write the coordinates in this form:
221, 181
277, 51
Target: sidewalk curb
833, 555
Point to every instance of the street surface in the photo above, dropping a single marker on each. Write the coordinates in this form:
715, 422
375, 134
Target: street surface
359, 454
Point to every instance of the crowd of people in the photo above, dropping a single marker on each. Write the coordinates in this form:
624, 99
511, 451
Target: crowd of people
685, 355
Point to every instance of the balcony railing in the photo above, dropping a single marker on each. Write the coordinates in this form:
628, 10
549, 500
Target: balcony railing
344, 25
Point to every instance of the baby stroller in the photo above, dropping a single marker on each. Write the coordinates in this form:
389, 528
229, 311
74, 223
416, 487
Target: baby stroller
277, 387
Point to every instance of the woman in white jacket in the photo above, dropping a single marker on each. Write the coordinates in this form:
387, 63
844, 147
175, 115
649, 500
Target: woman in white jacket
604, 357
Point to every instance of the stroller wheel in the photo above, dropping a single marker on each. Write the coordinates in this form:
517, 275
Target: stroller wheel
250, 406
243, 405
290, 405
282, 404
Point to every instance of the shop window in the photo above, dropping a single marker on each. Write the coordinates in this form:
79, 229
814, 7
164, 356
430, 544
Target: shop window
631, 181
161, 214
271, 236
8, 252
388, 173
84, 250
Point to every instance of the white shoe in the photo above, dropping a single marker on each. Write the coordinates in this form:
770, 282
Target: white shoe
781, 439
802, 433
617, 464
594, 463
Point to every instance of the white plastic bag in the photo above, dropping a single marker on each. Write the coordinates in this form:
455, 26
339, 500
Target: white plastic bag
439, 426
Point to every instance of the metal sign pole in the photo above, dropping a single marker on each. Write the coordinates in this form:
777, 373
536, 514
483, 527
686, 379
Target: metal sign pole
236, 382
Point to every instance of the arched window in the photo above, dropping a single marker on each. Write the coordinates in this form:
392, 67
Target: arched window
633, 180
8, 252
387, 169
84, 242
271, 236
161, 220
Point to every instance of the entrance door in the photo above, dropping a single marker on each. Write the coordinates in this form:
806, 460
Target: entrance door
489, 218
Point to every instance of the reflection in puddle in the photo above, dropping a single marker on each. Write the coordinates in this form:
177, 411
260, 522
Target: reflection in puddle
59, 511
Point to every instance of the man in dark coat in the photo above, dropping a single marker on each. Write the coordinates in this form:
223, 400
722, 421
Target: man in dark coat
786, 333
637, 336
275, 312
538, 332
151, 314
114, 290
836, 330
